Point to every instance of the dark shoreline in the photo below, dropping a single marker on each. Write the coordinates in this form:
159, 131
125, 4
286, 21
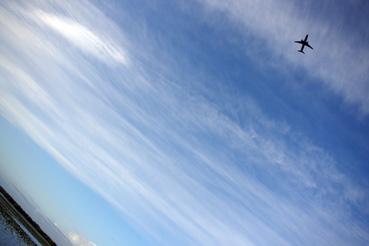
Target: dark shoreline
14, 211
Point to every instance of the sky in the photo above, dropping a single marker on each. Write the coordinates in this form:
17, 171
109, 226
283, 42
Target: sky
189, 122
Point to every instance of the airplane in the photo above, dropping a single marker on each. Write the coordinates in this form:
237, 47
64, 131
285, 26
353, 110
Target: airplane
304, 43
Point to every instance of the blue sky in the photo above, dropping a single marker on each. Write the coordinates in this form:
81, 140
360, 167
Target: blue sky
189, 122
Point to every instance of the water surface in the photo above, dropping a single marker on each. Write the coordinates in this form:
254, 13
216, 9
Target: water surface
10, 232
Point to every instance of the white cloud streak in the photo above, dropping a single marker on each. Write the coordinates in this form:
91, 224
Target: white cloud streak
169, 161
83, 38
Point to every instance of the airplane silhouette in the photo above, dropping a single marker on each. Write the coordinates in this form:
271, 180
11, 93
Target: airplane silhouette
304, 43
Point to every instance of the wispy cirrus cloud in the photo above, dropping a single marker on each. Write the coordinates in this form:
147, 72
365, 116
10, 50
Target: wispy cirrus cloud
169, 160
83, 38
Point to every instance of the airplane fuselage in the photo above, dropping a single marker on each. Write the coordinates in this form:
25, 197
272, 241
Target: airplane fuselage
303, 44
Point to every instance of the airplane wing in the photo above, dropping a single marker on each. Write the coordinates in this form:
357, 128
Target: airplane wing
299, 42
308, 45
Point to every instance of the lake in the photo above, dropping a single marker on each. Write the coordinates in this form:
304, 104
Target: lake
10, 233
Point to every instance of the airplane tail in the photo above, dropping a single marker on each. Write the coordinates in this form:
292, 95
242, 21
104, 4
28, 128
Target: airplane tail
301, 51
